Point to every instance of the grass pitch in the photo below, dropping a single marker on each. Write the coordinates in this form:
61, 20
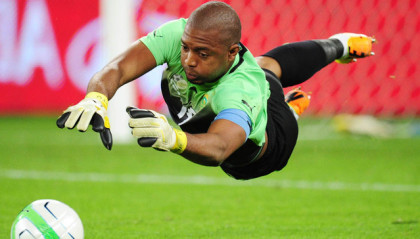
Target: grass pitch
334, 186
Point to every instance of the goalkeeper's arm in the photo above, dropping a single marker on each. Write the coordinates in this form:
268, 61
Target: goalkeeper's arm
134, 62
211, 148
218, 143
131, 64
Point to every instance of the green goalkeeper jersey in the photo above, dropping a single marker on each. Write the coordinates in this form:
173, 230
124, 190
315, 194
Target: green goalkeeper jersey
192, 106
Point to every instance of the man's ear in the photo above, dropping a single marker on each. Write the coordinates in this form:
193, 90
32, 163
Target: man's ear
233, 50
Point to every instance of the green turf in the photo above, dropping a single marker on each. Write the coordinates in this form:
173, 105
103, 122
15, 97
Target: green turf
102, 187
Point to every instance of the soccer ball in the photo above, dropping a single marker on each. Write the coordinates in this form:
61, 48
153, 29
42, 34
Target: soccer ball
47, 219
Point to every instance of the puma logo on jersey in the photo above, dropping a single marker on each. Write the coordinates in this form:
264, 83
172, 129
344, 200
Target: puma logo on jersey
246, 103
154, 34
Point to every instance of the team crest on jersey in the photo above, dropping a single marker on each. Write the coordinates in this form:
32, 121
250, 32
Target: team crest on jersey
178, 87
191, 98
180, 82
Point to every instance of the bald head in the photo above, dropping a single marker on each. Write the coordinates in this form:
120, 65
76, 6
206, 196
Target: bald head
217, 16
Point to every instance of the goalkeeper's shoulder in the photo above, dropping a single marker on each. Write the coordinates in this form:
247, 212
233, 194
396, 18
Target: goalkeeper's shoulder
170, 28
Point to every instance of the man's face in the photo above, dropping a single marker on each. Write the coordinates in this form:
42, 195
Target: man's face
203, 56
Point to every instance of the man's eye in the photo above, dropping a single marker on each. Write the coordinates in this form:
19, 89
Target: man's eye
204, 55
185, 48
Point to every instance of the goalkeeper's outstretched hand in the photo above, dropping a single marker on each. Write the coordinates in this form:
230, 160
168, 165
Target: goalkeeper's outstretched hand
355, 46
90, 111
153, 130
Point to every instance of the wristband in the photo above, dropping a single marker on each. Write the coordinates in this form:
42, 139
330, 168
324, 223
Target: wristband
180, 143
98, 96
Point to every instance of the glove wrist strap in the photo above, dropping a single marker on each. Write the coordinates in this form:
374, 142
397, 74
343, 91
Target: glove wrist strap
98, 96
181, 142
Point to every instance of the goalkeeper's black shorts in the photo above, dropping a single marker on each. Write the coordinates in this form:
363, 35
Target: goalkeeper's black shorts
282, 132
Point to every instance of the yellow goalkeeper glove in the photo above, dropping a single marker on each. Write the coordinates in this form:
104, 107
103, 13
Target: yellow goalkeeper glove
91, 110
153, 130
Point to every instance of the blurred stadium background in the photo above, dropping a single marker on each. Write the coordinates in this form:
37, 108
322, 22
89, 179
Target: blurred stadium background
49, 50
339, 186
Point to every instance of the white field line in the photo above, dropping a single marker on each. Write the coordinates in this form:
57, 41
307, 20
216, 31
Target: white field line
203, 180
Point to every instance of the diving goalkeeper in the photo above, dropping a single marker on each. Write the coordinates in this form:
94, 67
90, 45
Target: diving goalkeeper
230, 106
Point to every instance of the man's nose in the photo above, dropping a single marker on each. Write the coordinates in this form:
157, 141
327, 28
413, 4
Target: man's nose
190, 60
